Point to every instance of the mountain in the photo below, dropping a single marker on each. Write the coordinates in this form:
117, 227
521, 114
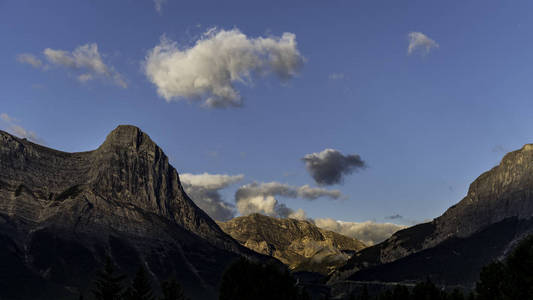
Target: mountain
62, 213
496, 213
299, 244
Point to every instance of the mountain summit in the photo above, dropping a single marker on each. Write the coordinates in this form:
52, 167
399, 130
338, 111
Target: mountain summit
299, 244
485, 225
62, 213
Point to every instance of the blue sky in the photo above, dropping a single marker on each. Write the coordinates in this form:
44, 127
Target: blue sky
425, 124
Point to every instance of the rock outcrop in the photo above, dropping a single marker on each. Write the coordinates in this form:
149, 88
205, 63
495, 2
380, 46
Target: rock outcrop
299, 244
498, 196
62, 213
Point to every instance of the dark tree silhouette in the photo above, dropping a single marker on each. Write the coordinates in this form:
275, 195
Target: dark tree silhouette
400, 292
141, 287
427, 291
246, 280
364, 294
108, 284
511, 279
172, 290
491, 282
456, 294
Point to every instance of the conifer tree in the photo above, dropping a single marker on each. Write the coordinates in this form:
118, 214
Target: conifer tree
364, 294
141, 287
172, 290
108, 284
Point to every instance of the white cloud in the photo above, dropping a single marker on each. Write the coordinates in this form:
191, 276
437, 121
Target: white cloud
336, 76
159, 5
210, 181
299, 214
418, 40
6, 118
368, 232
204, 190
261, 198
258, 204
208, 70
30, 59
12, 126
312, 193
86, 59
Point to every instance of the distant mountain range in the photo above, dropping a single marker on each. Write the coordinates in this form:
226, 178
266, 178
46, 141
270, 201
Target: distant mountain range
62, 213
301, 245
484, 226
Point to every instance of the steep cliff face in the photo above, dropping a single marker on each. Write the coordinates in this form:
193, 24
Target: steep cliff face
503, 193
299, 244
61, 213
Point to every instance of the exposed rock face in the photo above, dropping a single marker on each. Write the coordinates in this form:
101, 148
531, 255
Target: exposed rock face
299, 244
505, 192
61, 213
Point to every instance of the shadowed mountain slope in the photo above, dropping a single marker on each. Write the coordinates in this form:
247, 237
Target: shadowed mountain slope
499, 202
62, 213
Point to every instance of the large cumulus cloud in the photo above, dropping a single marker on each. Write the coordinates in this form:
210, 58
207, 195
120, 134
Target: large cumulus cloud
368, 232
208, 70
329, 166
204, 190
261, 198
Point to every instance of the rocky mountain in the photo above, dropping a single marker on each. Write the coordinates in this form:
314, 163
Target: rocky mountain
62, 213
299, 244
496, 212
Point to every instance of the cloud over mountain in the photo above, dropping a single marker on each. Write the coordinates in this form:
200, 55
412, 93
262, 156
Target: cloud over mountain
368, 232
209, 70
261, 198
329, 166
12, 125
420, 41
204, 190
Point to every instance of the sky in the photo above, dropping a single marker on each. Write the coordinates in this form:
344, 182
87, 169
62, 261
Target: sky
366, 112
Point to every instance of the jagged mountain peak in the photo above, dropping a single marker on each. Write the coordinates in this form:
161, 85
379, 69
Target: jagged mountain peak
128, 136
123, 199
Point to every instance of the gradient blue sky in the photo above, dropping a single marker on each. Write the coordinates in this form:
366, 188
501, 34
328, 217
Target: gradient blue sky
426, 125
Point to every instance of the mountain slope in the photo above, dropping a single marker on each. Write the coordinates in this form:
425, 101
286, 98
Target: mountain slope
496, 197
299, 244
62, 213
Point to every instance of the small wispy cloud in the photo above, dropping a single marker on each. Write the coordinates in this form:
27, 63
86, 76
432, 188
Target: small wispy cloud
499, 149
12, 126
30, 59
159, 5
394, 217
85, 60
336, 76
421, 42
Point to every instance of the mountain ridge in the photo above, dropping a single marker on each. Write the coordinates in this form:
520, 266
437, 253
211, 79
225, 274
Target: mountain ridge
122, 200
497, 195
297, 243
